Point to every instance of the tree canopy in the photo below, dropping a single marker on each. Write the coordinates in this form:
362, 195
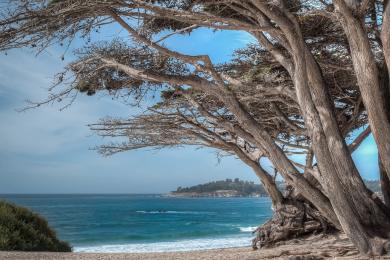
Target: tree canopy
316, 74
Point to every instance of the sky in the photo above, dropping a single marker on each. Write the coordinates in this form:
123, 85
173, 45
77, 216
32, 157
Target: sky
46, 150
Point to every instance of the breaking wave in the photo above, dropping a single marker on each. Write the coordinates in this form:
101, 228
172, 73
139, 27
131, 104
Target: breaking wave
173, 212
174, 246
247, 229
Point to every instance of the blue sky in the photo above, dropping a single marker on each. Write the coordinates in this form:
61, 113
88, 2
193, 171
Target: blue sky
48, 151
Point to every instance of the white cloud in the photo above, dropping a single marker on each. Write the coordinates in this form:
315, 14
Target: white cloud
44, 130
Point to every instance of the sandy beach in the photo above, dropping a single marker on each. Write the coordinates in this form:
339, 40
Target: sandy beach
315, 247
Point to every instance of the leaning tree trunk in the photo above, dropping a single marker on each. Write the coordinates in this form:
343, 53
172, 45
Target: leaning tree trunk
359, 215
364, 220
273, 151
263, 139
367, 74
385, 182
264, 177
385, 90
279, 158
385, 33
294, 216
384, 76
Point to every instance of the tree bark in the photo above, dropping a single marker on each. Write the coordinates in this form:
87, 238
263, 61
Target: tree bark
385, 33
367, 74
266, 179
385, 182
279, 158
295, 219
359, 215
356, 209
294, 216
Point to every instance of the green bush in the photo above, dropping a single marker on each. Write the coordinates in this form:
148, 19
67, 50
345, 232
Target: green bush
23, 230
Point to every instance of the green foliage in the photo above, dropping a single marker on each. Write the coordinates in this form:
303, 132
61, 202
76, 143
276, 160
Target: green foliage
23, 230
243, 188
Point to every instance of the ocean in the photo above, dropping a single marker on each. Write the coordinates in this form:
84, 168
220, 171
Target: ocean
148, 223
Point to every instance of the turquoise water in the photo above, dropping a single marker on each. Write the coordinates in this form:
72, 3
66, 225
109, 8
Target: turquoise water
148, 223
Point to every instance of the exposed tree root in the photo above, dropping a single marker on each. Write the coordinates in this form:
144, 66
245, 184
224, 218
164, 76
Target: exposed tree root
294, 219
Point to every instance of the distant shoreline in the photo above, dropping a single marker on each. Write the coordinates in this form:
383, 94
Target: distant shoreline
212, 195
166, 194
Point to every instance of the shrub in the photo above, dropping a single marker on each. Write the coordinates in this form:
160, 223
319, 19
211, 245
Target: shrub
23, 230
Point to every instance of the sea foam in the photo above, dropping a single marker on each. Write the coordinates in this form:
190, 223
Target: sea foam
174, 246
175, 212
247, 229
